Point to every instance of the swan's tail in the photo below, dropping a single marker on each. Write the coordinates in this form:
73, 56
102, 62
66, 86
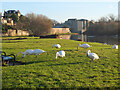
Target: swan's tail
19, 53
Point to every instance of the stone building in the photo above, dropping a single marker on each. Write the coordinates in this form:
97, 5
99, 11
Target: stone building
7, 21
12, 32
11, 12
72, 24
6, 18
77, 26
60, 30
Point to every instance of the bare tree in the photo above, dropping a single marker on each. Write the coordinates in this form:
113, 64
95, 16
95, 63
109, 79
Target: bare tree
103, 19
111, 17
23, 23
104, 26
39, 24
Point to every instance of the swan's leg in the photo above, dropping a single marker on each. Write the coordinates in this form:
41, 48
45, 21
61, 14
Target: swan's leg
7, 62
77, 47
23, 55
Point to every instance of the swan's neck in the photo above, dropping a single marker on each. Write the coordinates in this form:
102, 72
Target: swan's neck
88, 53
19, 53
56, 55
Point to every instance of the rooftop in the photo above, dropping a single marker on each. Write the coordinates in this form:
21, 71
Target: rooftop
72, 19
82, 20
12, 11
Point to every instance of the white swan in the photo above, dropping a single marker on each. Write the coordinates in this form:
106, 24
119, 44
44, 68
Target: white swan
38, 52
104, 43
92, 56
56, 45
60, 54
115, 46
31, 52
27, 52
83, 45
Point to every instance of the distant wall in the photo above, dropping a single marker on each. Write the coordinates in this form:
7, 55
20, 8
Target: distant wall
11, 32
64, 37
22, 33
60, 30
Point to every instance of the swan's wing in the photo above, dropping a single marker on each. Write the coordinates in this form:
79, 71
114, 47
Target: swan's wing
29, 51
38, 51
62, 53
85, 45
58, 45
113, 46
93, 56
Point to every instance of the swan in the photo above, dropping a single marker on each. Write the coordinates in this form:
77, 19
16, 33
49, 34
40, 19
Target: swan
104, 43
115, 46
60, 54
92, 56
56, 45
38, 52
31, 52
83, 45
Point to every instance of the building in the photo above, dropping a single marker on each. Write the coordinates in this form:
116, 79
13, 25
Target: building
60, 30
7, 21
6, 18
11, 32
77, 26
9, 13
72, 24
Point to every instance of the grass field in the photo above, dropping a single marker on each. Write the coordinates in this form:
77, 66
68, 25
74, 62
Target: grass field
74, 71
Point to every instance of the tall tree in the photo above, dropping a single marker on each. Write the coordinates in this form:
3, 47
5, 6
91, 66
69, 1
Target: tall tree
39, 24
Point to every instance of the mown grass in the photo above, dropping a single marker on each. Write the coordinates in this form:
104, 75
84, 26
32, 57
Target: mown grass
74, 71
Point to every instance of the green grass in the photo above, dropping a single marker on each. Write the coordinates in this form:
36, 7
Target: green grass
74, 71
